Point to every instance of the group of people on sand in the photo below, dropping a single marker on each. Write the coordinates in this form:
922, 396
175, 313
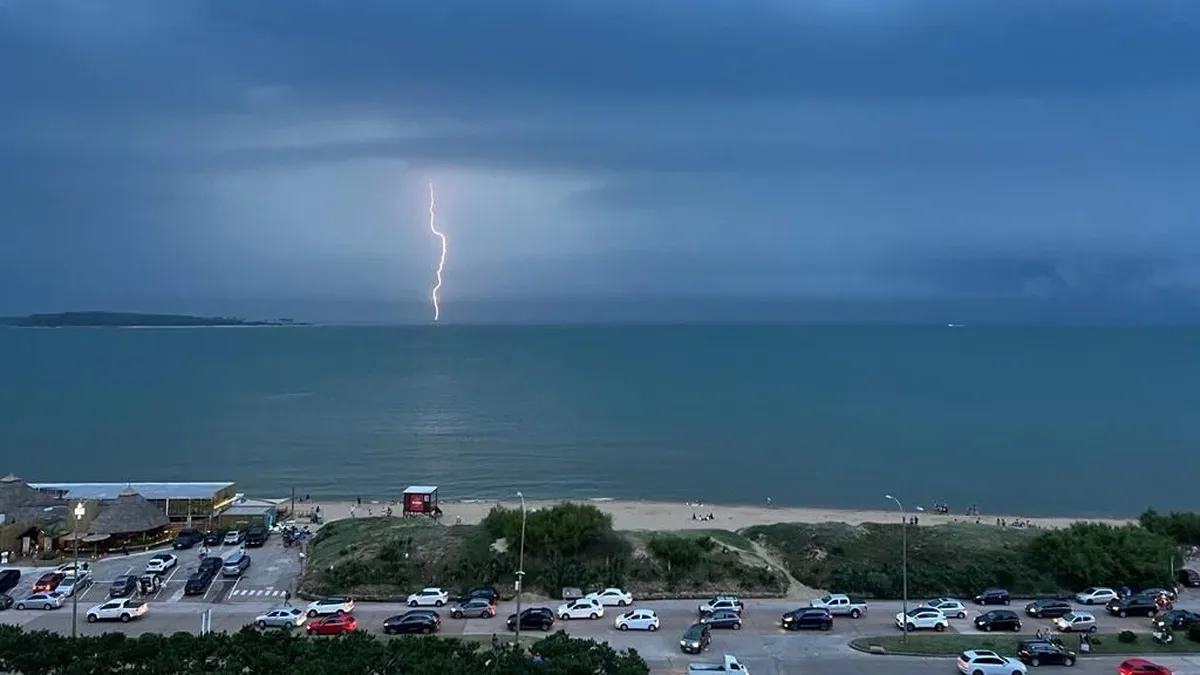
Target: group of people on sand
703, 516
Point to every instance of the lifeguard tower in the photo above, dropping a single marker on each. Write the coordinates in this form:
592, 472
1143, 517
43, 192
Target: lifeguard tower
421, 500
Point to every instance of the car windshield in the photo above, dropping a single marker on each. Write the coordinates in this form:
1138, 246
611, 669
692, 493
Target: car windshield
694, 632
827, 598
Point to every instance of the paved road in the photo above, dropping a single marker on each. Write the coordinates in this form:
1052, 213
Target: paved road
761, 644
765, 648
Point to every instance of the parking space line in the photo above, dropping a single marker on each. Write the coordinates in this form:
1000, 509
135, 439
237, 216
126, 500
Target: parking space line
166, 581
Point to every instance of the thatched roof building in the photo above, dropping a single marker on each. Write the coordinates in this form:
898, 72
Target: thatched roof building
16, 493
19, 502
129, 513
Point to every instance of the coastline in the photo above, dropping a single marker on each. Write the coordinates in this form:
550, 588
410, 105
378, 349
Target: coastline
651, 515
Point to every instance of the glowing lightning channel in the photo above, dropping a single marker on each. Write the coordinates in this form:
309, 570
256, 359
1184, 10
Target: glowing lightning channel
437, 287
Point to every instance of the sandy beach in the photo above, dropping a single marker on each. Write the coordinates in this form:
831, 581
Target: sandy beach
640, 515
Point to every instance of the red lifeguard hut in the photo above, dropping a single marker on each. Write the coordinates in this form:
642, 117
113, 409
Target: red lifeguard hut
421, 500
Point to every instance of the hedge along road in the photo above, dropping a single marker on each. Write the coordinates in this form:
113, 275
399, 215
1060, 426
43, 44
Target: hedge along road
761, 643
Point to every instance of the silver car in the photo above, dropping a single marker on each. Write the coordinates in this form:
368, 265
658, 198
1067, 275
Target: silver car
281, 617
474, 608
41, 601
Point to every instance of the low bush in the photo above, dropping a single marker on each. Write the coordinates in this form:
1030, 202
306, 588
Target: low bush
569, 545
963, 558
252, 651
1127, 636
1194, 632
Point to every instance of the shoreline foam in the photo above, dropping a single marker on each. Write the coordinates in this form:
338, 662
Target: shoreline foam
648, 515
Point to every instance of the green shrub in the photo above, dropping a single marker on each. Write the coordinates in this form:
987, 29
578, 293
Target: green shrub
1092, 554
1182, 528
963, 558
1194, 632
253, 651
1127, 636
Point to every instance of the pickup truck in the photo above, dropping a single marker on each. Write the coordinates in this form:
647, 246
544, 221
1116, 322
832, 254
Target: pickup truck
731, 665
840, 604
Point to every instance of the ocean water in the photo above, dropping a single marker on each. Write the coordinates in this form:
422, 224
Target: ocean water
1033, 421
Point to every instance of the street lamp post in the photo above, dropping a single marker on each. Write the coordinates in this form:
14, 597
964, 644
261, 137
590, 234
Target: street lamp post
80, 512
904, 562
520, 570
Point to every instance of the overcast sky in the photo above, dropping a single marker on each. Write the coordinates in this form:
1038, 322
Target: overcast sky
156, 152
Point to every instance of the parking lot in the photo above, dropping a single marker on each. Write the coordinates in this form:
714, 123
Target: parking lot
273, 572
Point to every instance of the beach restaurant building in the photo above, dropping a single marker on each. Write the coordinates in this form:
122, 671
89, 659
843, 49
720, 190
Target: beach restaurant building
191, 504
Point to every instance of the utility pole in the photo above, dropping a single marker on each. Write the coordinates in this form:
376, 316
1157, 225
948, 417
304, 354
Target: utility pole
520, 571
904, 562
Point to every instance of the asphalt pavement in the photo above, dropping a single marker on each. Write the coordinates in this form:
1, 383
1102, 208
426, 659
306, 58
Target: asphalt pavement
761, 644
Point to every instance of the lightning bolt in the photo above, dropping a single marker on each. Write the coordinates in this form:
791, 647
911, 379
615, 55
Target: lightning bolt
437, 287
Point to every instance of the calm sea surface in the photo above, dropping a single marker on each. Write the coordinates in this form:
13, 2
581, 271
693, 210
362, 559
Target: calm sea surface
1026, 421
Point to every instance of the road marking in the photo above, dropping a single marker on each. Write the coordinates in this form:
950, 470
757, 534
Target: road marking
235, 585
261, 592
167, 581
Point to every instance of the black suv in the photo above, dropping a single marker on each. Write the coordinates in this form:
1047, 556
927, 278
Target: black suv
818, 618
993, 596
695, 639
1044, 653
1048, 609
998, 619
211, 565
197, 584
257, 535
123, 586
1189, 577
539, 618
1176, 619
9, 580
486, 592
187, 538
1134, 605
214, 538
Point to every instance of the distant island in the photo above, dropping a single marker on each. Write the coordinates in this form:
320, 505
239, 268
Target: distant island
130, 320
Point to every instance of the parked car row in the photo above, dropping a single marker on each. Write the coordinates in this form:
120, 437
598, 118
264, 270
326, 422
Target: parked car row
255, 535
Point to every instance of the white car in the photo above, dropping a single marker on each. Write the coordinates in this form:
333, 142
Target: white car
281, 617
923, 618
949, 606
160, 563
68, 569
583, 608
611, 596
233, 538
52, 600
428, 596
638, 619
1076, 622
721, 602
330, 606
68, 586
987, 662
121, 609
1096, 596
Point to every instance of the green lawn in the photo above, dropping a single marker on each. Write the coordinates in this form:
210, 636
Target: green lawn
929, 644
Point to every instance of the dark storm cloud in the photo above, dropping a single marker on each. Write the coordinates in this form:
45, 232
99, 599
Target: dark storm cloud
833, 128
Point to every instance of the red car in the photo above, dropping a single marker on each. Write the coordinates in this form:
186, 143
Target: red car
1141, 667
48, 582
333, 625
